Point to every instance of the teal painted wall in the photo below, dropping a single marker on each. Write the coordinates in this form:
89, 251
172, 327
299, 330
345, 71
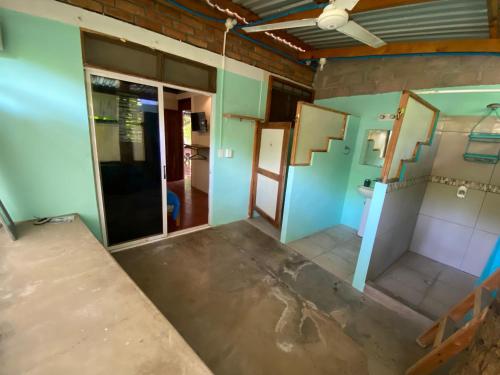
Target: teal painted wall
368, 107
232, 176
315, 194
45, 153
372, 221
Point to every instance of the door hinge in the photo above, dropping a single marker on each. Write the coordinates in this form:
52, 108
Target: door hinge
401, 112
165, 172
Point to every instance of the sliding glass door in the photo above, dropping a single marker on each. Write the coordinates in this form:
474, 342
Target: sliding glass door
128, 143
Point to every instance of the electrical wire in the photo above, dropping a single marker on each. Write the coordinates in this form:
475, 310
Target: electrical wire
243, 20
195, 13
367, 57
221, 99
246, 37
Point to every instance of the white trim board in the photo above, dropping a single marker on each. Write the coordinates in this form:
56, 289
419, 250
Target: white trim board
454, 91
57, 11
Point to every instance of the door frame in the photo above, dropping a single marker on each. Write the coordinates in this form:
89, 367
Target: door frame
88, 71
281, 178
396, 130
97, 171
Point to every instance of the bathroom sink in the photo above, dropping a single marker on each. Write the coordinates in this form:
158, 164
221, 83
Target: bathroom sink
367, 192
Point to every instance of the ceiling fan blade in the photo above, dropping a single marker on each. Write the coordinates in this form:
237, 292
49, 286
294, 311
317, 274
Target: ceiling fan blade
359, 33
345, 4
280, 25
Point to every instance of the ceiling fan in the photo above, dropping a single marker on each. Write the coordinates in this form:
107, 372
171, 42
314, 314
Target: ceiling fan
333, 17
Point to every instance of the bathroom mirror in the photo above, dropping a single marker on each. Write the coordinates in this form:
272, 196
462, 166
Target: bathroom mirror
375, 147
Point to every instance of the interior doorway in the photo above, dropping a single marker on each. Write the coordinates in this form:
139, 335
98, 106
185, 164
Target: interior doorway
272, 153
270, 164
187, 141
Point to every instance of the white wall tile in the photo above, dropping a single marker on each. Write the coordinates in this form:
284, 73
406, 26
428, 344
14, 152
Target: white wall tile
449, 160
478, 252
462, 124
399, 206
440, 240
423, 166
495, 179
489, 217
441, 202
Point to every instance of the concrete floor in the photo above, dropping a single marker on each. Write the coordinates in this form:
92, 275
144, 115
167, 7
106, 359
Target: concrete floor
335, 250
425, 285
66, 307
265, 226
249, 305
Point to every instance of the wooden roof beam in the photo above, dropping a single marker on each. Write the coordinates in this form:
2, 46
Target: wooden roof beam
493, 20
398, 48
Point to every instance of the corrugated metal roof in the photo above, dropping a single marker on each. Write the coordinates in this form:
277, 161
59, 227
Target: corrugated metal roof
439, 19
265, 8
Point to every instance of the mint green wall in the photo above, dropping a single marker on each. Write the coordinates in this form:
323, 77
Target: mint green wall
365, 252
368, 107
232, 176
315, 194
45, 153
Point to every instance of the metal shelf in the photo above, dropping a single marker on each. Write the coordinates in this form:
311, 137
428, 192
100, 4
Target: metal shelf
484, 137
481, 158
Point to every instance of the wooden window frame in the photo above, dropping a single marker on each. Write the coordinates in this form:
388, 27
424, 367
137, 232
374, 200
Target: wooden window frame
296, 131
270, 82
160, 62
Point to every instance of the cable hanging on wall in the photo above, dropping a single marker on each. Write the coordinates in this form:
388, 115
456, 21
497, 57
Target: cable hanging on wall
242, 19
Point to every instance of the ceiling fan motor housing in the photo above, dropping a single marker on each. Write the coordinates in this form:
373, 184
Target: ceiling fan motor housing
332, 18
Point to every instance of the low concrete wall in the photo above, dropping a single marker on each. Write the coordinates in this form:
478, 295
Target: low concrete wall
377, 75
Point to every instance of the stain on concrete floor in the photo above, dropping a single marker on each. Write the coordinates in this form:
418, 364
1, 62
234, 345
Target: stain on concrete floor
250, 305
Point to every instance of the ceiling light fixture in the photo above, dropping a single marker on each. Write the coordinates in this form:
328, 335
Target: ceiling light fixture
242, 19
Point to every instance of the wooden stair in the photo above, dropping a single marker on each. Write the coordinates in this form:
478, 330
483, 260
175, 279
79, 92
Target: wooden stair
448, 335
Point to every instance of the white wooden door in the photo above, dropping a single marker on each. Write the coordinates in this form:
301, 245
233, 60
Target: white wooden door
270, 160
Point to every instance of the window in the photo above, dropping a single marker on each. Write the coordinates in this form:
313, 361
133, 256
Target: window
283, 97
130, 58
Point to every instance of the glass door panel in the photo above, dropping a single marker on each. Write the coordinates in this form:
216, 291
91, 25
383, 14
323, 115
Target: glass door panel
127, 135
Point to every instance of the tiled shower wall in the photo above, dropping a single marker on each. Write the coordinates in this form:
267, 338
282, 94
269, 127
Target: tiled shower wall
450, 230
400, 212
395, 228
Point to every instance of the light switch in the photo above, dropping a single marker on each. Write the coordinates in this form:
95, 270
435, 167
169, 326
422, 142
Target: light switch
220, 153
228, 153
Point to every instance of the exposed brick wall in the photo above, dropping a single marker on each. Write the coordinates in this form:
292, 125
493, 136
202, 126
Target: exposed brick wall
370, 76
159, 16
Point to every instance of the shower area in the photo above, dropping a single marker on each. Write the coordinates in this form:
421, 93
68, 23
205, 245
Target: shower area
440, 220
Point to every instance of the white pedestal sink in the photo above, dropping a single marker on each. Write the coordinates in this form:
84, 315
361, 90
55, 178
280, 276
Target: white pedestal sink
366, 192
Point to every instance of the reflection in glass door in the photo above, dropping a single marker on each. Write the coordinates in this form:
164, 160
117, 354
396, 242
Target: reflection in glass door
127, 139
